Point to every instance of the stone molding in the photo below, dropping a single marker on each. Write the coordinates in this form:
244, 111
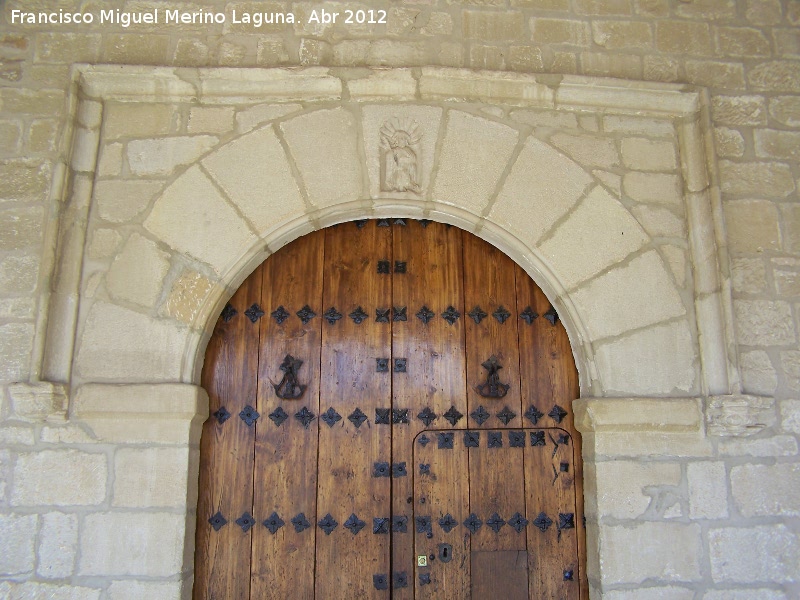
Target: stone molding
642, 415
739, 415
39, 401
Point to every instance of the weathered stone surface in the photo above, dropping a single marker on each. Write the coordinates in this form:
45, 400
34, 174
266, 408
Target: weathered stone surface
59, 478
131, 48
125, 543
598, 233
421, 123
752, 226
136, 590
773, 180
17, 436
546, 118
588, 150
653, 187
790, 414
160, 156
466, 176
560, 31
648, 155
749, 275
603, 7
676, 259
707, 9
708, 490
495, 25
138, 272
22, 227
253, 116
120, 344
683, 37
134, 119
611, 307
210, 119
748, 594
58, 541
659, 360
397, 84
775, 76
542, 187
762, 12
658, 221
786, 273
150, 477
645, 551
186, 297
19, 274
764, 323
651, 593
110, 162
785, 110
758, 374
256, 176
615, 35
36, 102
324, 147
104, 243
43, 135
712, 73
638, 126
738, 415
17, 532
779, 445
742, 41
729, 142
51, 591
782, 145
768, 553
16, 343
766, 490
622, 485
191, 214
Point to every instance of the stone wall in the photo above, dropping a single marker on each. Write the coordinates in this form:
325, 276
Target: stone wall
686, 498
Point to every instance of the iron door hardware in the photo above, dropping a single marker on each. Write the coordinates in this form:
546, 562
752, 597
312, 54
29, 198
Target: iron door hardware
492, 388
289, 388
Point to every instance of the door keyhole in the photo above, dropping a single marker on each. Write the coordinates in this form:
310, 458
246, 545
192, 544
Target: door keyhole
445, 553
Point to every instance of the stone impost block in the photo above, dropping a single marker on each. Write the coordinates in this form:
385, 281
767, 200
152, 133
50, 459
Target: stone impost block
768, 554
38, 401
468, 176
610, 306
18, 533
667, 552
324, 147
121, 344
597, 234
640, 415
169, 413
708, 490
59, 478
736, 415
192, 216
542, 187
766, 490
151, 477
256, 175
131, 544
58, 543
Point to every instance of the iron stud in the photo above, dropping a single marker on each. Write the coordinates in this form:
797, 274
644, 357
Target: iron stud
228, 313
278, 416
217, 521
480, 415
477, 315
221, 415
328, 524
280, 314
246, 521
472, 439
529, 315
273, 523
300, 523
354, 524
254, 313
357, 417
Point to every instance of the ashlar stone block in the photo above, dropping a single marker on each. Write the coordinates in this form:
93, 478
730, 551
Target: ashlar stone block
764, 323
119, 201
588, 150
191, 216
658, 360
767, 490
256, 175
16, 344
651, 593
653, 187
17, 532
598, 233
324, 147
785, 110
757, 180
138, 272
253, 116
767, 553
150, 477
611, 306
758, 374
622, 485
739, 111
161, 156
136, 119
466, 175
790, 413
708, 490
648, 155
542, 187
186, 297
121, 344
749, 275
647, 551
59, 478
132, 543
22, 227
58, 543
136, 590
752, 226
30, 590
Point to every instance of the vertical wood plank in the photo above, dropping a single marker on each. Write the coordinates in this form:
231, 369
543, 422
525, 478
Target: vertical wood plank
549, 379
222, 558
346, 563
286, 453
435, 357
496, 481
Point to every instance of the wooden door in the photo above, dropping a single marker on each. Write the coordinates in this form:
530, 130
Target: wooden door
390, 418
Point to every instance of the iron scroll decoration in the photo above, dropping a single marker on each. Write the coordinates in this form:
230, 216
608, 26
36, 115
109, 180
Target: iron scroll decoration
289, 388
492, 388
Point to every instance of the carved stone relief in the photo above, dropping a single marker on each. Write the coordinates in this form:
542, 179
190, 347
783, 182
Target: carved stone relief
400, 156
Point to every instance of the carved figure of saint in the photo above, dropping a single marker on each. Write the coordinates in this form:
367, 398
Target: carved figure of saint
400, 149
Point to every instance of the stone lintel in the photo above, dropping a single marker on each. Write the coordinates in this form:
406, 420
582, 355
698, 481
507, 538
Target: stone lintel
39, 401
739, 414
441, 83
642, 415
